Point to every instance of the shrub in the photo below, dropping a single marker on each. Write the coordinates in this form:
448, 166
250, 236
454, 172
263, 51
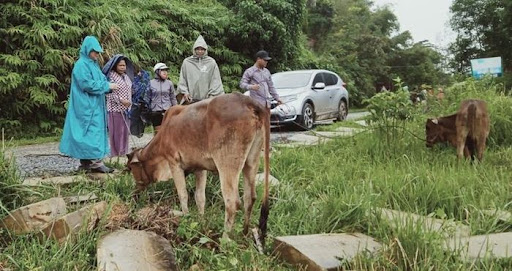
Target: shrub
390, 111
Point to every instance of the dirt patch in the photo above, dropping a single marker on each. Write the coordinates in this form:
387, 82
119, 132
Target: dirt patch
157, 218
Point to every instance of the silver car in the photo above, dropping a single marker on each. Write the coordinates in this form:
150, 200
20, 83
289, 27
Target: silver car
309, 96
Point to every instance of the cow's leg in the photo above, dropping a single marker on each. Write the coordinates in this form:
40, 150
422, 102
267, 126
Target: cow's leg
461, 142
200, 189
249, 172
229, 187
480, 147
179, 181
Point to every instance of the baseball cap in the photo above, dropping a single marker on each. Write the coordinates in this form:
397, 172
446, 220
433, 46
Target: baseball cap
263, 55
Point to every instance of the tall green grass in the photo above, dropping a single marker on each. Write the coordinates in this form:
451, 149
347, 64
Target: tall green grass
323, 189
331, 188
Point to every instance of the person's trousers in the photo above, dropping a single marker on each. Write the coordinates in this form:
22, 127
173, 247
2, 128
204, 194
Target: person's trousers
118, 133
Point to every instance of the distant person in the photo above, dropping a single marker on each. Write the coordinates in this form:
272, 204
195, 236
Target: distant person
258, 81
119, 70
85, 129
199, 75
139, 108
160, 95
440, 94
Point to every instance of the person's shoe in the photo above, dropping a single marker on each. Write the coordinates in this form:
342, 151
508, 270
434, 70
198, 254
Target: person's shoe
101, 169
83, 168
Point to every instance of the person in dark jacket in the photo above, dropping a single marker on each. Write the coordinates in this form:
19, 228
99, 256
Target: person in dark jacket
160, 96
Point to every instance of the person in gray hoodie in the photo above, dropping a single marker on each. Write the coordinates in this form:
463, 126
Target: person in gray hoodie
199, 75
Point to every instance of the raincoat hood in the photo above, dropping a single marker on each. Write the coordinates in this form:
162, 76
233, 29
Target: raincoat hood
111, 64
200, 42
89, 44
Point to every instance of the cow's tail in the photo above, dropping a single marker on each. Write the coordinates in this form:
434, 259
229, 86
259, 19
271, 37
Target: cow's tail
472, 119
265, 204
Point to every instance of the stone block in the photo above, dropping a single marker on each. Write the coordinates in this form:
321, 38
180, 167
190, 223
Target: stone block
447, 228
131, 250
260, 179
323, 251
71, 223
80, 198
33, 217
498, 245
60, 180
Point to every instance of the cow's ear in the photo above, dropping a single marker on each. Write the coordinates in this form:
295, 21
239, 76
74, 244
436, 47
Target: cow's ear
133, 157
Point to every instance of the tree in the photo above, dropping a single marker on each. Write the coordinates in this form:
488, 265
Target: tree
484, 29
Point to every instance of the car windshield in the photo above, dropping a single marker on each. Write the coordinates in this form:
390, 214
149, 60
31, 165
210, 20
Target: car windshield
291, 80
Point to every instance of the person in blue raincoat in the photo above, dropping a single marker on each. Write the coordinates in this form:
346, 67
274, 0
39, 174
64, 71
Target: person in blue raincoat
85, 129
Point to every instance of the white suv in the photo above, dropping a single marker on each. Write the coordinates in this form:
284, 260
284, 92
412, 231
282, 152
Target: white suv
308, 96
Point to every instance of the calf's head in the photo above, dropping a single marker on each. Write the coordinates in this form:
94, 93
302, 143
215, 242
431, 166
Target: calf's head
434, 132
140, 173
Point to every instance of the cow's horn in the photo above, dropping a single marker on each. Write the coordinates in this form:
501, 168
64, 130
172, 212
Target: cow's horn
435, 121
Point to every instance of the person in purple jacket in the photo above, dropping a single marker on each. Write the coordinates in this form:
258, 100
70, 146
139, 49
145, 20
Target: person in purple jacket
258, 81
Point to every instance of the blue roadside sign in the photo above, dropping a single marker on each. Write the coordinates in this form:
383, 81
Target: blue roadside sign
483, 66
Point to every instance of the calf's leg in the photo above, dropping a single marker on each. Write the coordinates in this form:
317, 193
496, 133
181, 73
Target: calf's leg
480, 147
179, 181
229, 187
200, 190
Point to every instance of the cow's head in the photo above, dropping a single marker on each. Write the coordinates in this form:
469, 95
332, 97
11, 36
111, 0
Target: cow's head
138, 170
434, 132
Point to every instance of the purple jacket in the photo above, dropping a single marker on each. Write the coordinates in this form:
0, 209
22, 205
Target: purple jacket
254, 75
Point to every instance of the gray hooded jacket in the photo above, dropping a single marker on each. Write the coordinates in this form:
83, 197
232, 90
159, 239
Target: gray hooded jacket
200, 76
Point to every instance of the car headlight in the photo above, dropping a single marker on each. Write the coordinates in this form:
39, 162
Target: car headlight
289, 98
284, 110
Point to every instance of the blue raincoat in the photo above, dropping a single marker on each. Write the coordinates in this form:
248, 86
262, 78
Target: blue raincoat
85, 129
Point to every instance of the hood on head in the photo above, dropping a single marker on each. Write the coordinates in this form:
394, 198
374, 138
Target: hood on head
89, 44
111, 64
200, 42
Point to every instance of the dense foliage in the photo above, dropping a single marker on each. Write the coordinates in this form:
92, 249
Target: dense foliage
484, 29
40, 40
362, 44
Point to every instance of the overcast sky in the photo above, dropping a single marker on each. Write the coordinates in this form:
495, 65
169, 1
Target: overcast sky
425, 19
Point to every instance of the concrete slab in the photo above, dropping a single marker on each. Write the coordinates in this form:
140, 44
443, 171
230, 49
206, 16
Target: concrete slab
361, 122
60, 180
329, 135
260, 178
499, 214
300, 139
323, 251
33, 217
348, 130
447, 228
497, 245
131, 250
71, 223
80, 198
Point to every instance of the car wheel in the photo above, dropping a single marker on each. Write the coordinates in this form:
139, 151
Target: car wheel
342, 111
307, 119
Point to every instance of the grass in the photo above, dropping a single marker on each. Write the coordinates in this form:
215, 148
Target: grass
328, 188
32, 141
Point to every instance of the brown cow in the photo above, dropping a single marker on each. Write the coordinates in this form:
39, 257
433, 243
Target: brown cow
223, 134
467, 130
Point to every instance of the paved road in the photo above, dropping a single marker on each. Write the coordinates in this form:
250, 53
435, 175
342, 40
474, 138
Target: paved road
45, 159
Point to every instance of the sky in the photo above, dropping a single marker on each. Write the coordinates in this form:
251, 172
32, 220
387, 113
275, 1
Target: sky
425, 19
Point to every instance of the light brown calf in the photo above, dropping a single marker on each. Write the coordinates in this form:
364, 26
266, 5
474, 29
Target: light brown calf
224, 134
